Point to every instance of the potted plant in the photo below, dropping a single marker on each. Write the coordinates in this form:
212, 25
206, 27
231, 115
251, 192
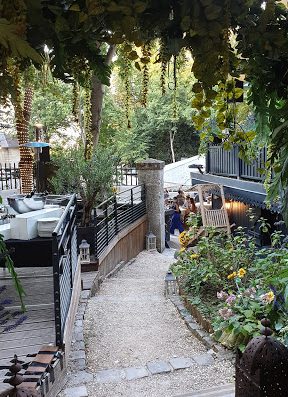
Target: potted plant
91, 179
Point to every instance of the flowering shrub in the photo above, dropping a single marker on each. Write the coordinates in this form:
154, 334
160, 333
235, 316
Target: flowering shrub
237, 285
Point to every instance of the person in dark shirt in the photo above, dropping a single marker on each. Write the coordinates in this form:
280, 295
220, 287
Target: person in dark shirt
176, 220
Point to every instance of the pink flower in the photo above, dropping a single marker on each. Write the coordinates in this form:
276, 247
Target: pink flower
226, 313
230, 299
222, 295
250, 292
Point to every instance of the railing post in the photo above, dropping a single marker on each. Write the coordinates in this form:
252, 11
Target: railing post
56, 284
115, 214
106, 222
237, 161
96, 233
207, 161
151, 174
132, 205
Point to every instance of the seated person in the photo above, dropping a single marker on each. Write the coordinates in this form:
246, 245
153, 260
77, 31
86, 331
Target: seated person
180, 197
190, 207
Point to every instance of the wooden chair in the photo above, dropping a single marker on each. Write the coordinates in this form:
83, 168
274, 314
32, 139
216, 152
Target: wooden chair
211, 218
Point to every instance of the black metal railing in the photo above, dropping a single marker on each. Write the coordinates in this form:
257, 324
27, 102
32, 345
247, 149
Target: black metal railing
114, 214
9, 176
227, 163
64, 259
126, 176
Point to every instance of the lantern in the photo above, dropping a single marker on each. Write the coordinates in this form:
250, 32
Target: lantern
170, 284
150, 242
84, 248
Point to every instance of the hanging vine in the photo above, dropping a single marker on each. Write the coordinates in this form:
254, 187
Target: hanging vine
164, 59
145, 60
88, 150
76, 101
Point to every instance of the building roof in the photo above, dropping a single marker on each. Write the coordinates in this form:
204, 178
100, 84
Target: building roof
178, 173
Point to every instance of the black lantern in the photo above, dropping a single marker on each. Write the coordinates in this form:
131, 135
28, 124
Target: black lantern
261, 371
170, 284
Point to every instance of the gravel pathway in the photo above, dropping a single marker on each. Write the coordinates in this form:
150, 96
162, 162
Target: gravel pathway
136, 343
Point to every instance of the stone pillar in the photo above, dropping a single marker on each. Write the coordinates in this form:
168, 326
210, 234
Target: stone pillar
151, 174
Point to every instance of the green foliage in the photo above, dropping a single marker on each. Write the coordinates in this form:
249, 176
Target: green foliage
16, 45
10, 267
226, 40
151, 125
91, 179
52, 106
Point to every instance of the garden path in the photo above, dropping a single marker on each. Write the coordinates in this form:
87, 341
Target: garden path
136, 343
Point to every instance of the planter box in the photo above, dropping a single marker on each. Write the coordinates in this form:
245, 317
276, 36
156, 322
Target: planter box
201, 320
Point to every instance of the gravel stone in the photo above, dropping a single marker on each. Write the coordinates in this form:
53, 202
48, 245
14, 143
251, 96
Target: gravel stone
158, 367
130, 323
138, 324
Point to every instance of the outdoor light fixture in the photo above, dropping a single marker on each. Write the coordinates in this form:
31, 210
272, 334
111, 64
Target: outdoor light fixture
170, 284
84, 248
227, 205
150, 242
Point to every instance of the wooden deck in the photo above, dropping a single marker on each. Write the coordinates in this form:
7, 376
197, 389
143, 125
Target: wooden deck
38, 328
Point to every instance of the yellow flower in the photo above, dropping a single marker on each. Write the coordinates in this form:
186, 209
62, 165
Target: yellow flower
241, 272
183, 238
194, 256
270, 296
182, 249
232, 275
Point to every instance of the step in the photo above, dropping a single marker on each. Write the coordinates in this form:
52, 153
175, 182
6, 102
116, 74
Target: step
218, 391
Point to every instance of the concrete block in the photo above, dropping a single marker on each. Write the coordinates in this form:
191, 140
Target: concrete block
80, 377
181, 362
77, 354
136, 373
110, 375
158, 367
203, 359
79, 364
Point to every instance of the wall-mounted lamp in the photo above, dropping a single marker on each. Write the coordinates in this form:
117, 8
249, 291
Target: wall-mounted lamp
228, 205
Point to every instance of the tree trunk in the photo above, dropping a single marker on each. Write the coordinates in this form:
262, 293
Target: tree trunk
97, 95
26, 157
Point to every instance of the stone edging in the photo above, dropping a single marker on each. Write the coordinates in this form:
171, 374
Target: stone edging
215, 348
